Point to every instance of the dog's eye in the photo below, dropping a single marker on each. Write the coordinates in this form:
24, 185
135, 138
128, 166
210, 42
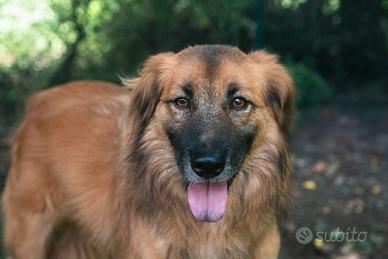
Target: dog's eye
239, 103
181, 102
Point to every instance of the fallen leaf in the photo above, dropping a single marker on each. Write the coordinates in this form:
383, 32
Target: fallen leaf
319, 167
326, 210
356, 204
309, 185
376, 190
333, 168
319, 244
374, 160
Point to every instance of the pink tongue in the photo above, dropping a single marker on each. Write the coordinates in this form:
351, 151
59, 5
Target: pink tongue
208, 200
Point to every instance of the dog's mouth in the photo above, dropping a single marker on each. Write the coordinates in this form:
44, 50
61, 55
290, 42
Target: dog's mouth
208, 200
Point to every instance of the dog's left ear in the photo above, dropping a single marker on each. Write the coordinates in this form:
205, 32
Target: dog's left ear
146, 89
280, 89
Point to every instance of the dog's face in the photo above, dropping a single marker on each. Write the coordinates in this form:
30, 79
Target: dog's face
211, 115
214, 104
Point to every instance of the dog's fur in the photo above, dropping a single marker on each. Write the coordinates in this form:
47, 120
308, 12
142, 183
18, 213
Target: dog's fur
94, 172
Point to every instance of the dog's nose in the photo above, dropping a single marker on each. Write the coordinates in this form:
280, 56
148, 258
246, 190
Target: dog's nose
208, 166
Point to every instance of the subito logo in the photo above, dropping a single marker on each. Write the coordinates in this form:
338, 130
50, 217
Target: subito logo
304, 235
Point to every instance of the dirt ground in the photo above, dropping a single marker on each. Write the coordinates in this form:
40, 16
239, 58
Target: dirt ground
341, 166
340, 172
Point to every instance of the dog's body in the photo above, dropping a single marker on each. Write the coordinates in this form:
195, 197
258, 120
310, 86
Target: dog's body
99, 171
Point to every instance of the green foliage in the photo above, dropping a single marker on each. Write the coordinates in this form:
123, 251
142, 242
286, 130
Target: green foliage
52, 41
17, 83
141, 28
311, 88
346, 40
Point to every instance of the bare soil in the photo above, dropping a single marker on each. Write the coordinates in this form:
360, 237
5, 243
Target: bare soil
340, 171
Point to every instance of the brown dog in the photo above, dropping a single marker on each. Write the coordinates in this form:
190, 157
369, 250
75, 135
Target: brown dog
190, 163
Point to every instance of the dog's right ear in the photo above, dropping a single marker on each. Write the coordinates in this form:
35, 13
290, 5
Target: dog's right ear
147, 88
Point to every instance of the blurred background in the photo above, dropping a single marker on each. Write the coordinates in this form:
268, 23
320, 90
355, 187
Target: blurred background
336, 51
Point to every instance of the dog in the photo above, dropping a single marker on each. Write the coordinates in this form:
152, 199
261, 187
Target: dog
188, 160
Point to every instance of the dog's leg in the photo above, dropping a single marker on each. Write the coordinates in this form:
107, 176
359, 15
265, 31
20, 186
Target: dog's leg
26, 234
28, 221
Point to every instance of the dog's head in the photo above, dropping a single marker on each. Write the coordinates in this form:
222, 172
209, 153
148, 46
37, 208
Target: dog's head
214, 106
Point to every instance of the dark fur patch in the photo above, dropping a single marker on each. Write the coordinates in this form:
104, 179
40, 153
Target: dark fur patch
283, 163
168, 254
184, 254
212, 55
273, 100
246, 177
232, 89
